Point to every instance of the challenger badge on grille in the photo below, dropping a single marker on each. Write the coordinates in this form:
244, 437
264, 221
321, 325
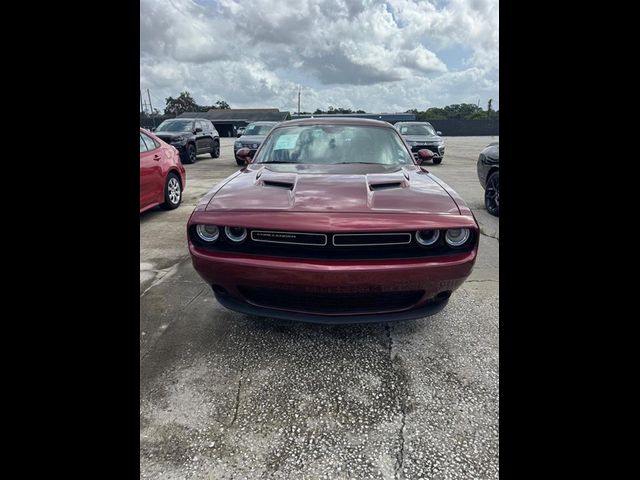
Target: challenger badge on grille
296, 238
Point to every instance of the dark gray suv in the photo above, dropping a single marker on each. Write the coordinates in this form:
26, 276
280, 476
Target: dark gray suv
421, 135
191, 136
253, 136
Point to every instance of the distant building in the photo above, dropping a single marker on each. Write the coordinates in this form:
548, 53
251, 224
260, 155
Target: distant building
385, 117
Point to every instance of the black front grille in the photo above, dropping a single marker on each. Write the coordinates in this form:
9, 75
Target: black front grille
289, 238
331, 303
370, 239
332, 246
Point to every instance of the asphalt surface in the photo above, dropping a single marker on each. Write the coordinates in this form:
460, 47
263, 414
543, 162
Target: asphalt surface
226, 396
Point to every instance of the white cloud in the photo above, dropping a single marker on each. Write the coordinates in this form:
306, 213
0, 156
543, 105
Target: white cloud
371, 54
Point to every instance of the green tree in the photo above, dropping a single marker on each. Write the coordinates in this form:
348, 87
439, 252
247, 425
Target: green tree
433, 113
221, 105
462, 110
184, 103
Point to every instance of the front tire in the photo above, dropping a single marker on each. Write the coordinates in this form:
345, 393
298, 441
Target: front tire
437, 161
215, 150
172, 192
492, 194
190, 154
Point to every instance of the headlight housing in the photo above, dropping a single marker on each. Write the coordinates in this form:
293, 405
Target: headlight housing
456, 237
427, 237
235, 234
208, 233
237, 145
177, 139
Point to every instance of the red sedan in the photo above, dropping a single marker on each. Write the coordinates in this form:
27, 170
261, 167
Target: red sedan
162, 175
334, 221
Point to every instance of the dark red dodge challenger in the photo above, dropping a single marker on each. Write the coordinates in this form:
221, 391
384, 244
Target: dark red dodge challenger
333, 221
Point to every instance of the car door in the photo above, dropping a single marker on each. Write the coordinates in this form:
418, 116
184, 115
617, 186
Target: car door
202, 138
151, 181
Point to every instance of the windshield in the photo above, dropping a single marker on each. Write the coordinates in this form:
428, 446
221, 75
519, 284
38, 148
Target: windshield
417, 130
175, 126
333, 144
258, 129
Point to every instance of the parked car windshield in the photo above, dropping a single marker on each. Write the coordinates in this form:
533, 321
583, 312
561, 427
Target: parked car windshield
258, 129
417, 130
334, 144
175, 126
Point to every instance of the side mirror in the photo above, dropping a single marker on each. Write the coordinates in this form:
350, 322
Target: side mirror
438, 132
197, 130
239, 134
424, 155
244, 154
152, 129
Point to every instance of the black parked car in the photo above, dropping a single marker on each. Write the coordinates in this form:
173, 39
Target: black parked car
191, 136
253, 136
489, 175
421, 135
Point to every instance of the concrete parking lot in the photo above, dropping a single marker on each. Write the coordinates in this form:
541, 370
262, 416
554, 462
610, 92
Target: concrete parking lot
225, 396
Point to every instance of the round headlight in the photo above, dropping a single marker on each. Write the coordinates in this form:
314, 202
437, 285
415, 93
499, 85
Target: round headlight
208, 233
427, 237
235, 234
457, 236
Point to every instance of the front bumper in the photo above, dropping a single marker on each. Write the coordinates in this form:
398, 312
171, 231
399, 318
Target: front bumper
427, 310
252, 152
438, 152
232, 275
181, 147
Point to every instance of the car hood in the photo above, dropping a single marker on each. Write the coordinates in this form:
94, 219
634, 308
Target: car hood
251, 138
422, 138
353, 188
172, 134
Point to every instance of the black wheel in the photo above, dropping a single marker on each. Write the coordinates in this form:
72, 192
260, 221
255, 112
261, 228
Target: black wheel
215, 150
172, 192
191, 154
437, 161
492, 194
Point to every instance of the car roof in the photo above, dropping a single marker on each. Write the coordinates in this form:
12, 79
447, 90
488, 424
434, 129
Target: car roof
414, 122
262, 122
336, 121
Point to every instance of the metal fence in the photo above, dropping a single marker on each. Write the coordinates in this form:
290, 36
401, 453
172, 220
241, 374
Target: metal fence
449, 128
466, 128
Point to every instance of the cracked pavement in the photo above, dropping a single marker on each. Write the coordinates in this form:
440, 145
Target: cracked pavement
224, 395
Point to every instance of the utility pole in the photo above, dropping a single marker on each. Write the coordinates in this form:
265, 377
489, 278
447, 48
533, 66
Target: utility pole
150, 106
151, 110
298, 100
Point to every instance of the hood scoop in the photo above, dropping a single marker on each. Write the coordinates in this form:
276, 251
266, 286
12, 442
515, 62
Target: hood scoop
273, 183
384, 186
266, 178
389, 181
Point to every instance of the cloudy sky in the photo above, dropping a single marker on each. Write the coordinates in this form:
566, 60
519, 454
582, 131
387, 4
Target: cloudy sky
379, 56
